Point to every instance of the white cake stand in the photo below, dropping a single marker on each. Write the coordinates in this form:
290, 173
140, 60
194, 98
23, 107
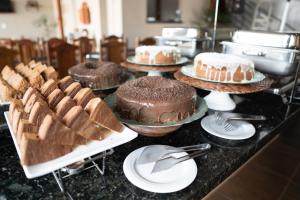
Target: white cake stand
219, 97
220, 101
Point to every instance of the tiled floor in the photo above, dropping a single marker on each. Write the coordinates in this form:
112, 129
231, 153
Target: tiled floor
274, 173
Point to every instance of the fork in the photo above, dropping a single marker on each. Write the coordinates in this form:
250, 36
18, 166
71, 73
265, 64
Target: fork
225, 122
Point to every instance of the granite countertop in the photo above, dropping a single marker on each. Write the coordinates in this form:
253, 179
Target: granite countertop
220, 162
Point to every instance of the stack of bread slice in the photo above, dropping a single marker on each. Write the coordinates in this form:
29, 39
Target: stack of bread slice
52, 120
14, 82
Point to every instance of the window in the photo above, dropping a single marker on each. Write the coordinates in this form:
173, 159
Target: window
163, 11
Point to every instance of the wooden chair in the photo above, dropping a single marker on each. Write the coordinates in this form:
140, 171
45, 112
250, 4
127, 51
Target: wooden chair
6, 42
65, 57
114, 50
145, 41
27, 50
112, 38
7, 57
85, 45
51, 44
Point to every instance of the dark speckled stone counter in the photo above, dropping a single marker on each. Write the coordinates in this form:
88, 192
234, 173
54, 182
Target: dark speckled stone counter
220, 162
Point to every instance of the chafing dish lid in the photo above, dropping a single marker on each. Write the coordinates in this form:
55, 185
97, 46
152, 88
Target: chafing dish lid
270, 39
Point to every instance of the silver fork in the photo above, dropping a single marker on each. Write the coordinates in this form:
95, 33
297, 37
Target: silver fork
225, 122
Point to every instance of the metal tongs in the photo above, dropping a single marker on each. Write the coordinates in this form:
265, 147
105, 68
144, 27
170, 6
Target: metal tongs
154, 153
239, 116
170, 161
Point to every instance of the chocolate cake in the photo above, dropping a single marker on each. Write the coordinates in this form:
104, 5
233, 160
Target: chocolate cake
154, 99
98, 75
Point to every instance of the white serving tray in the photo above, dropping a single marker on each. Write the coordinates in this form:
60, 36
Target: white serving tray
77, 154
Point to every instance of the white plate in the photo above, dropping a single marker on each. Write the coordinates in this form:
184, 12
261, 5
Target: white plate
243, 131
188, 70
77, 154
174, 179
181, 61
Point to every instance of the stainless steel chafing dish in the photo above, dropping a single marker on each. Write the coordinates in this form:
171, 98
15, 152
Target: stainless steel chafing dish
188, 40
272, 53
270, 39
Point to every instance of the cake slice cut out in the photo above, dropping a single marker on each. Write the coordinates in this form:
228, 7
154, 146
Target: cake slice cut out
101, 114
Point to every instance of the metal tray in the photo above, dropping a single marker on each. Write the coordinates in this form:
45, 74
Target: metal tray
270, 39
275, 61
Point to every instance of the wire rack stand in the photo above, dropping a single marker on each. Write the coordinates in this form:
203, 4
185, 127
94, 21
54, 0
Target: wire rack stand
66, 172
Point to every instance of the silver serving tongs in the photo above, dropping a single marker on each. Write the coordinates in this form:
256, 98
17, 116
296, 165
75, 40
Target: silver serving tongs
239, 116
170, 161
156, 152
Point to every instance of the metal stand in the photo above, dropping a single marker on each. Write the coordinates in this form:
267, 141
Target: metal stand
90, 160
293, 91
215, 25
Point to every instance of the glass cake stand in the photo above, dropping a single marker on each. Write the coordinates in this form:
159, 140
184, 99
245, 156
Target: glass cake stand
158, 130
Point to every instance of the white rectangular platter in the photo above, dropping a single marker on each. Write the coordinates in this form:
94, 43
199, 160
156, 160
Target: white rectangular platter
77, 154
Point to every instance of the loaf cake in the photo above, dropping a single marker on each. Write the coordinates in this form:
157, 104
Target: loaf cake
157, 55
7, 92
223, 67
14, 82
155, 100
50, 122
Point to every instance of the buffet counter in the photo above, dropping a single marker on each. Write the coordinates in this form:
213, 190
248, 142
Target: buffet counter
222, 160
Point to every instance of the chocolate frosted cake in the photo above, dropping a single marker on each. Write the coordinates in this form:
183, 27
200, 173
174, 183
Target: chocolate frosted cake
154, 99
98, 75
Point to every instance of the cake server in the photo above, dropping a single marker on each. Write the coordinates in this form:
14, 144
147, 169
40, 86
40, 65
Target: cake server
168, 162
155, 152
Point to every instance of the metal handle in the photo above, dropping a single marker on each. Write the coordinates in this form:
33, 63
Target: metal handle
198, 148
203, 146
191, 156
240, 116
173, 43
248, 117
252, 53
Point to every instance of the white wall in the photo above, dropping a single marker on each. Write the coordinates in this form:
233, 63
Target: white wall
134, 18
114, 17
21, 22
70, 10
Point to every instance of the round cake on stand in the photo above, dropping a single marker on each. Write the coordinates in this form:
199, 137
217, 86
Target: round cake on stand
102, 77
223, 74
155, 60
156, 106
